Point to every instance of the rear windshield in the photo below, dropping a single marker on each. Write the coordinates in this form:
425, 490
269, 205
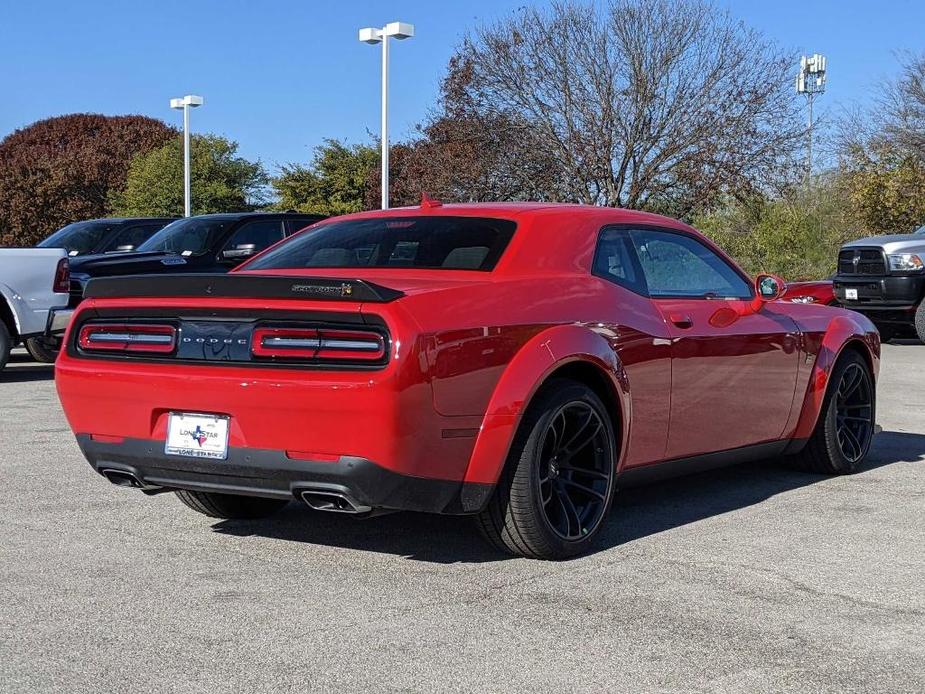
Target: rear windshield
446, 243
78, 238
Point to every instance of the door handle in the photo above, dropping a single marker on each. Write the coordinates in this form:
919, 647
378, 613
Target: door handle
682, 320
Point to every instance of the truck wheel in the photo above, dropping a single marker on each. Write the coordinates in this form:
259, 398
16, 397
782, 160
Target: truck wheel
43, 349
920, 321
558, 483
845, 428
6, 344
230, 505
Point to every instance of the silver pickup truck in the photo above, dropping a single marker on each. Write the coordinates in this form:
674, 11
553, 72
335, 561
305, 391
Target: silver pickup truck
34, 293
883, 277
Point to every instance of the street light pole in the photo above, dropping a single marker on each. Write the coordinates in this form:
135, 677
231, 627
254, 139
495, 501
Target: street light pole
371, 35
384, 194
186, 103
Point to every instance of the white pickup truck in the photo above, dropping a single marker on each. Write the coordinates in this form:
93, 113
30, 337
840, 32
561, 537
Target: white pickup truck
34, 293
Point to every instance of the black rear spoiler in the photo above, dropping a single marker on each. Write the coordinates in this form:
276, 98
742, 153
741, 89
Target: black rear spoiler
238, 286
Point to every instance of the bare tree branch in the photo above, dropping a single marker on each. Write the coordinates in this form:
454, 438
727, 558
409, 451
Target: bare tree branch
663, 104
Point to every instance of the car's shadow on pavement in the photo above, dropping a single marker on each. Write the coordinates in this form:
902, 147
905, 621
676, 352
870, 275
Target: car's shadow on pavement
638, 512
21, 369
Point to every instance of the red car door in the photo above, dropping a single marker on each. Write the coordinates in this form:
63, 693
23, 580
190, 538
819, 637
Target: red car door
733, 369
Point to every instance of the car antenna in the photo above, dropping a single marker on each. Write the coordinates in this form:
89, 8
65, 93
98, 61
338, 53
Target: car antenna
428, 202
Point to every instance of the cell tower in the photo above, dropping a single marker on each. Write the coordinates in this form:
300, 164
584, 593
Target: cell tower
811, 83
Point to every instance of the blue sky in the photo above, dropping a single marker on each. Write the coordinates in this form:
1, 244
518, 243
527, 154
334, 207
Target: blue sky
278, 76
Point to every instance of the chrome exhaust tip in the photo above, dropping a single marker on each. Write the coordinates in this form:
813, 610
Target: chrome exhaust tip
333, 502
121, 478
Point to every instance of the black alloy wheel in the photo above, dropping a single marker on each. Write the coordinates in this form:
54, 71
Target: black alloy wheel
854, 423
845, 427
558, 482
576, 471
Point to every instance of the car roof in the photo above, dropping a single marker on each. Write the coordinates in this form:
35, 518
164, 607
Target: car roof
522, 211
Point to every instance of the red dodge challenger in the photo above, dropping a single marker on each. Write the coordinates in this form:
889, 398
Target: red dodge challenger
516, 362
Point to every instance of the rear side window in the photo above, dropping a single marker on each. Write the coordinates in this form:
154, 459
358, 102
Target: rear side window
300, 223
615, 260
447, 243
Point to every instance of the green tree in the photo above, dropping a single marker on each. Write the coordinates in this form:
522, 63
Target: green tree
220, 180
334, 183
64, 169
887, 185
796, 236
882, 155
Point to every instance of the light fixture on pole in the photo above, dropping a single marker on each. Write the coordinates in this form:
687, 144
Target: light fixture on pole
811, 82
371, 35
186, 103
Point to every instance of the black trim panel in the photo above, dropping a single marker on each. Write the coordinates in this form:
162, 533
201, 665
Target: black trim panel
679, 467
271, 474
240, 286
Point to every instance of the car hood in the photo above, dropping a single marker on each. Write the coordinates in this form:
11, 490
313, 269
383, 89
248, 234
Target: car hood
893, 243
106, 264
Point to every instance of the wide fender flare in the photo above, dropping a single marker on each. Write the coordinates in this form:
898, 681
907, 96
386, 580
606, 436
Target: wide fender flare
534, 363
15, 303
842, 331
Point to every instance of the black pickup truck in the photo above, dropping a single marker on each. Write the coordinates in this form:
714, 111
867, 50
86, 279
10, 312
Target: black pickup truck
205, 243
883, 277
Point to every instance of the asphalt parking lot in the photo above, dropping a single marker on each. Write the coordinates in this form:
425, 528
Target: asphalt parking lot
752, 579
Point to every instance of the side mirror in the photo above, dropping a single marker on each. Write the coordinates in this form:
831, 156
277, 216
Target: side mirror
240, 252
769, 287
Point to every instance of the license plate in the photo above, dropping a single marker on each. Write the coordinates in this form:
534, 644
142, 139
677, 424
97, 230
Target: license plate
851, 294
197, 435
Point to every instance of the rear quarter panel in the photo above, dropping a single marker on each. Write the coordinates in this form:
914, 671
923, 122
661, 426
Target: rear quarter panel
489, 347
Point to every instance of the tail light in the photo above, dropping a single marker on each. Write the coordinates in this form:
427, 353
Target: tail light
62, 283
317, 344
127, 337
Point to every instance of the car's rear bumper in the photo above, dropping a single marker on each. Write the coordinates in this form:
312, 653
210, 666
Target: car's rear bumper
272, 474
58, 320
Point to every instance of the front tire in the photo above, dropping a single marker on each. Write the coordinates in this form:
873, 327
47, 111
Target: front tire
920, 321
558, 483
42, 349
842, 437
229, 506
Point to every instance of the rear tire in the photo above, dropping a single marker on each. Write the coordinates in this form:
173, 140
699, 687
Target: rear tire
6, 344
230, 505
920, 321
43, 349
841, 439
557, 486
